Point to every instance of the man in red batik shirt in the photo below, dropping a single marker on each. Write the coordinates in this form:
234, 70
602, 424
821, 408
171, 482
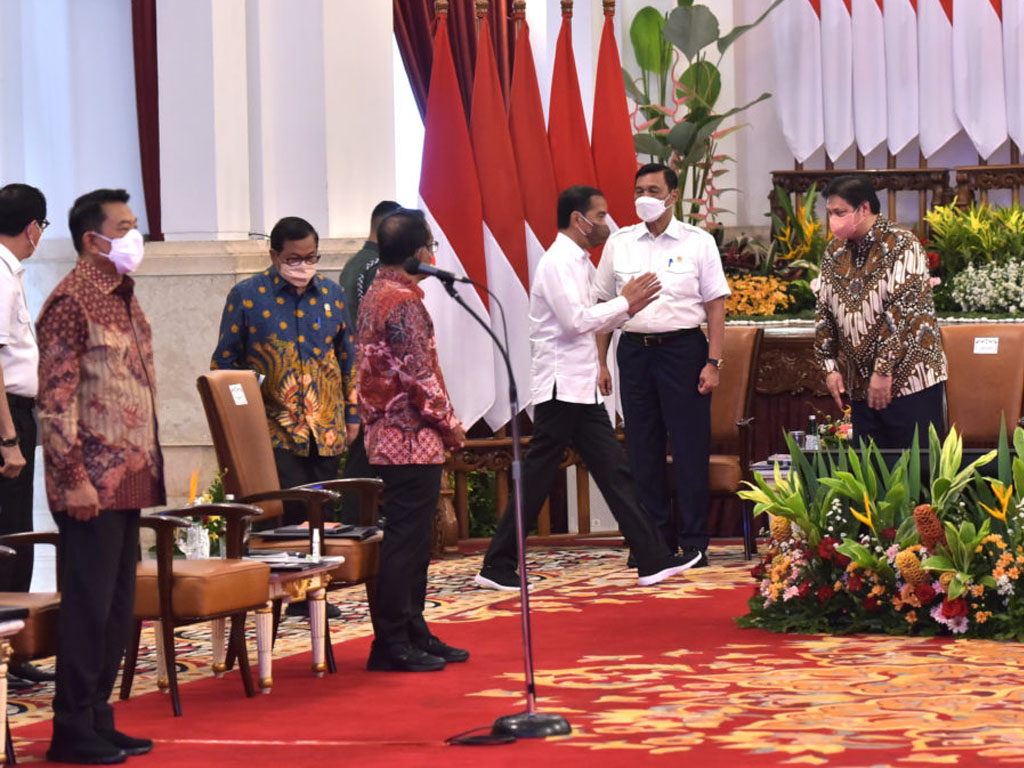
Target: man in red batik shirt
97, 411
408, 423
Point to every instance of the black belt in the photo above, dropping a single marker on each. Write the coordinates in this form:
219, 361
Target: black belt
18, 401
656, 339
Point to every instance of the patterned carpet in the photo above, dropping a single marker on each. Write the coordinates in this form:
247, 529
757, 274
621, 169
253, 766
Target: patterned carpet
702, 689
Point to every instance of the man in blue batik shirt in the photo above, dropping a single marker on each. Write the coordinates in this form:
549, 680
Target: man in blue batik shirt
290, 324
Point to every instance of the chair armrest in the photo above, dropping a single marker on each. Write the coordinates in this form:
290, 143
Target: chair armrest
313, 499
234, 514
18, 540
7, 551
368, 488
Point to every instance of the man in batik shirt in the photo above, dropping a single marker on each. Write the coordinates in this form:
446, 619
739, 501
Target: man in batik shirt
290, 325
409, 422
877, 338
97, 413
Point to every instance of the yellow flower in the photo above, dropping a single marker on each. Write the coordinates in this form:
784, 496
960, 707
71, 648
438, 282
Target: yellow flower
1003, 495
866, 517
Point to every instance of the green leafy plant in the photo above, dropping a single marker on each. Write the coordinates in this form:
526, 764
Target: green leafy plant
675, 118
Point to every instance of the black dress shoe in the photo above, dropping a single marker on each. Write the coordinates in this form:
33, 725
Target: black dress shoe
89, 749
402, 658
129, 744
26, 670
435, 646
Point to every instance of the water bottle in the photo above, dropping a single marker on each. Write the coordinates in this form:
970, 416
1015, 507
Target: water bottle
812, 442
316, 545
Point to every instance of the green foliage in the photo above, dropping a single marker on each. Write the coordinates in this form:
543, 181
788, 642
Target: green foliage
483, 518
678, 123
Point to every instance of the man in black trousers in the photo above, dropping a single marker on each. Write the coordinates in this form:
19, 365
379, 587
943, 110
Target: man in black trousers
563, 321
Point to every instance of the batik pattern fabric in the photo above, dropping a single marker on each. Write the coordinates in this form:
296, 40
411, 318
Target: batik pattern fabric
875, 312
407, 416
302, 345
97, 392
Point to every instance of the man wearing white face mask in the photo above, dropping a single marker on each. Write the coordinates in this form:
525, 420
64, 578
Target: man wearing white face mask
291, 324
667, 367
97, 413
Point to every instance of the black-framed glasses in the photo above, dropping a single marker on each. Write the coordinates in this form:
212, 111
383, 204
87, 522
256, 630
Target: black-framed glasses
294, 261
43, 224
432, 246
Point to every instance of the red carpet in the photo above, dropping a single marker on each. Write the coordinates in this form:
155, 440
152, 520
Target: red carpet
645, 676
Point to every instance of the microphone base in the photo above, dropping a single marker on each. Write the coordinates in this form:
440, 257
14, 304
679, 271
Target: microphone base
537, 725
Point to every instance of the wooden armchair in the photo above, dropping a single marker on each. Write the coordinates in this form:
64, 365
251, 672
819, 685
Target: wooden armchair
38, 640
732, 424
173, 593
986, 380
238, 426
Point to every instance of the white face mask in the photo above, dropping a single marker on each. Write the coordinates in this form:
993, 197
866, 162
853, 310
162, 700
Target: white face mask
126, 252
649, 208
299, 275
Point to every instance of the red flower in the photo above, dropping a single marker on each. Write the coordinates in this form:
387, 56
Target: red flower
933, 260
758, 571
803, 588
954, 609
855, 583
842, 560
924, 593
870, 603
827, 548
825, 594
888, 534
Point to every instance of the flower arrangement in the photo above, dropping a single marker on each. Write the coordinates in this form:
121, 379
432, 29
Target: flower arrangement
755, 295
923, 550
214, 526
834, 432
992, 287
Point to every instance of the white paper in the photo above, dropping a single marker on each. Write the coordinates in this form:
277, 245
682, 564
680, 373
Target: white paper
986, 345
238, 394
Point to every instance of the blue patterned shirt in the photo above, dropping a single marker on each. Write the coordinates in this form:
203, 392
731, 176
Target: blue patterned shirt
303, 345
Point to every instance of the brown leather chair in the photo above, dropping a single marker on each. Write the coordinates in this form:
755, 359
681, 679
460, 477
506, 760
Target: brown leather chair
38, 640
238, 425
174, 593
732, 424
984, 389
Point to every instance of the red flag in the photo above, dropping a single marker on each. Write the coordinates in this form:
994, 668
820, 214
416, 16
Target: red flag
504, 225
450, 195
612, 136
448, 179
533, 157
567, 127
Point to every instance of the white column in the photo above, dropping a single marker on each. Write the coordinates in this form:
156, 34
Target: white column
359, 112
204, 139
288, 163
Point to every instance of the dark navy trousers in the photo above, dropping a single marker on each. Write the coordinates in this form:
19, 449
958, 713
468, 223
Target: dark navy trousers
661, 406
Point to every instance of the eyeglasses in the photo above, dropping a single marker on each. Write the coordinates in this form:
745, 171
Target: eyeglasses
432, 246
43, 224
294, 261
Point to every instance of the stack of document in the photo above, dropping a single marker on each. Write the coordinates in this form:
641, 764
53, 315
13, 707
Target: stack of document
291, 560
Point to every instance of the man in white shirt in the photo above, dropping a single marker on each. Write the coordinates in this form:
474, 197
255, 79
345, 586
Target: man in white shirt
22, 221
667, 366
563, 320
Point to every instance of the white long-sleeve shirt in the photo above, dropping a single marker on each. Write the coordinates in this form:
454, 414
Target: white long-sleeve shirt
564, 319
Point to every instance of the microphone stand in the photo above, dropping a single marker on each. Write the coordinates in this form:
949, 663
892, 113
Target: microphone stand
531, 723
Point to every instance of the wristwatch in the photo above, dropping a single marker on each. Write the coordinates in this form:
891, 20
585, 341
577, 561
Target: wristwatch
717, 362
8, 442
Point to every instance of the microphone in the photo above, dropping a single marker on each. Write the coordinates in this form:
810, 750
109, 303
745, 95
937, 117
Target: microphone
414, 266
